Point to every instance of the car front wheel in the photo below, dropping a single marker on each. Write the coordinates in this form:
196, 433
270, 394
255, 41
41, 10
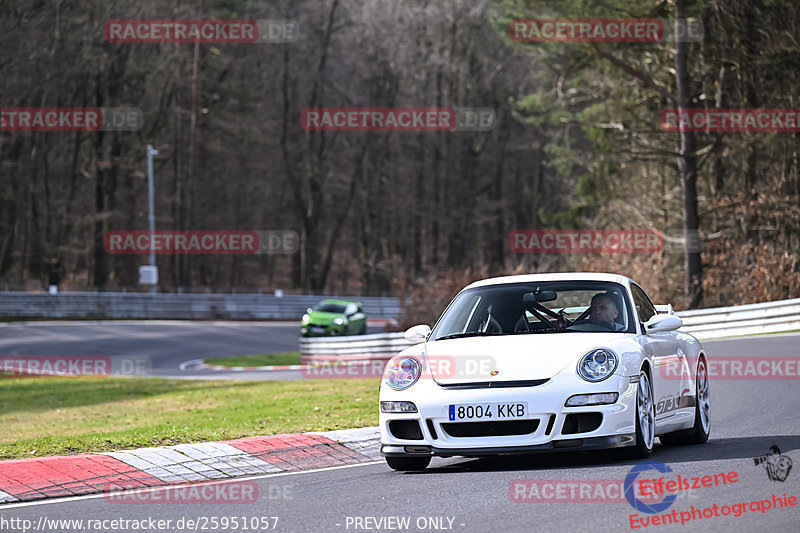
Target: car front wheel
645, 420
407, 464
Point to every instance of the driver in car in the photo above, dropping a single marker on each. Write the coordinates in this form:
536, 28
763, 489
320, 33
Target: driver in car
604, 310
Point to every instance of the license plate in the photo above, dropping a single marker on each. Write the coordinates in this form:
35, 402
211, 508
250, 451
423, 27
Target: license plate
317, 329
488, 411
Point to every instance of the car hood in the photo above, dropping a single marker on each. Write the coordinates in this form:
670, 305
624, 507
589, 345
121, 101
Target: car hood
321, 317
514, 357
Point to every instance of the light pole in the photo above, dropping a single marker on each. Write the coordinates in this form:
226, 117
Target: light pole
151, 217
148, 275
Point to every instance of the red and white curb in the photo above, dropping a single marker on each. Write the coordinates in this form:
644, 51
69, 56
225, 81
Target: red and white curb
48, 477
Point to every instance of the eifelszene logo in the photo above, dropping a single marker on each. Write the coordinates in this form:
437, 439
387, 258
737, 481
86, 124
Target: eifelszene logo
636, 502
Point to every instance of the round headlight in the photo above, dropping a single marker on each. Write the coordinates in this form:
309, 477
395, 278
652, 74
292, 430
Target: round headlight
305, 319
598, 365
403, 373
338, 321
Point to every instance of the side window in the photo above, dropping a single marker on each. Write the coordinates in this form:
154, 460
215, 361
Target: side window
644, 308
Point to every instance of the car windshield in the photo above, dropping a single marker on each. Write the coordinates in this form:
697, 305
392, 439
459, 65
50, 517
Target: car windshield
327, 307
525, 308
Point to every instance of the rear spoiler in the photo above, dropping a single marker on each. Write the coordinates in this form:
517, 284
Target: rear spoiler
665, 309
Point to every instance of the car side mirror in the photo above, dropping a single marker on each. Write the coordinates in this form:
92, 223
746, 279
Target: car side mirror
665, 309
418, 333
662, 323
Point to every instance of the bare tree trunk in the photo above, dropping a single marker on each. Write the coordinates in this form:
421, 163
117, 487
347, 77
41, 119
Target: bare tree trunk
100, 274
687, 166
308, 189
186, 270
179, 206
497, 247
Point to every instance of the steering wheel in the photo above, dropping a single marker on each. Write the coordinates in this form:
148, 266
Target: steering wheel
596, 325
491, 325
522, 324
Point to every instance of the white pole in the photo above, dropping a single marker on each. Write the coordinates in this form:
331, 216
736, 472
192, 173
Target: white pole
151, 217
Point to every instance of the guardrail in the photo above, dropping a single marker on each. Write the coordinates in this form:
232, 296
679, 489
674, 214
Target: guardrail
167, 306
713, 323
376, 346
769, 317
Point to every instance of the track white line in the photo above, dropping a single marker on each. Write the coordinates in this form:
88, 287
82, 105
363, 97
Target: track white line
193, 362
3, 507
268, 323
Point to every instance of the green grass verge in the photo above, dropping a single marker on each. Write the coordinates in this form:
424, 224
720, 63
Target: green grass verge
264, 359
60, 416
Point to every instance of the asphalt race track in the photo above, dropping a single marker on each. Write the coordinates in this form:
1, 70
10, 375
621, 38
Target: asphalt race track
169, 344
459, 494
165, 344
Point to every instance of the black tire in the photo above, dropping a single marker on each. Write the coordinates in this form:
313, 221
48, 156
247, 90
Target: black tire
699, 433
641, 450
408, 464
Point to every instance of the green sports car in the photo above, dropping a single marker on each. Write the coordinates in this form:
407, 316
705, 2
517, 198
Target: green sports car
334, 317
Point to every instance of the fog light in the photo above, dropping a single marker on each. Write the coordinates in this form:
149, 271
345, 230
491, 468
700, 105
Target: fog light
418, 449
398, 407
592, 399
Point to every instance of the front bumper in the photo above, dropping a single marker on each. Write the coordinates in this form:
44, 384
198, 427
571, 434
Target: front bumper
321, 330
545, 403
592, 443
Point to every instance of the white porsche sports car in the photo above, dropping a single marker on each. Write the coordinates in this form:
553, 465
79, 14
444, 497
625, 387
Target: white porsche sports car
545, 362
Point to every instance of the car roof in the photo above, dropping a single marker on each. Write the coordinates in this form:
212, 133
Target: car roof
553, 276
